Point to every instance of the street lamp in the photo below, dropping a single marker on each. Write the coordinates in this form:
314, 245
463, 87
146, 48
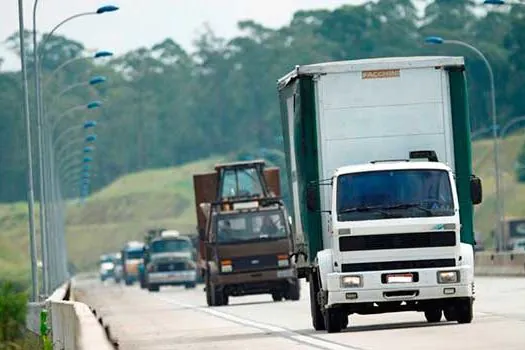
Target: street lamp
91, 82
89, 106
98, 54
439, 40
501, 2
40, 125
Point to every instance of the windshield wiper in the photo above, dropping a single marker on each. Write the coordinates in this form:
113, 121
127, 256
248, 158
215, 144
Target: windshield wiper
411, 205
379, 209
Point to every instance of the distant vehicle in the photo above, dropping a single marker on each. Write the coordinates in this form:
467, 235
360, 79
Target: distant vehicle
107, 266
478, 246
169, 261
244, 236
132, 255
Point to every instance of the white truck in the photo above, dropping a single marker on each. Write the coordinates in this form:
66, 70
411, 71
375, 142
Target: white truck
379, 163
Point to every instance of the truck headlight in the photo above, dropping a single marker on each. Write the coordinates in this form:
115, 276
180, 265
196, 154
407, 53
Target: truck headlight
351, 281
226, 266
448, 276
190, 265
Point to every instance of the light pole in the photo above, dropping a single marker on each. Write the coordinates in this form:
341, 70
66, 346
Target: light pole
501, 2
30, 187
439, 40
91, 82
57, 119
98, 54
44, 192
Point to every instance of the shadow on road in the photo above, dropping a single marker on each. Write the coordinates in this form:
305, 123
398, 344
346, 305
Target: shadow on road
380, 327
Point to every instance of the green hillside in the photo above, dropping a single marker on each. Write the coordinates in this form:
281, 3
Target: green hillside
164, 197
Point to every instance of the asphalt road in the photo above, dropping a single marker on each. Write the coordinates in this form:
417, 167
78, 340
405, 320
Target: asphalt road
175, 318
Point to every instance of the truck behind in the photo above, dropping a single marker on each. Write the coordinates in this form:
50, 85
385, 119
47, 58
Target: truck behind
245, 236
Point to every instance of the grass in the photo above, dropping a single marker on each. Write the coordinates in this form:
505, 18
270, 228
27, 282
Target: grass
164, 197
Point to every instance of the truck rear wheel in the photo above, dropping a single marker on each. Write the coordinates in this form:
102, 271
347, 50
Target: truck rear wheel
315, 309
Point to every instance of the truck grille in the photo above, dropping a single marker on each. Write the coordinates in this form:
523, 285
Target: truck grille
398, 241
174, 266
398, 265
254, 263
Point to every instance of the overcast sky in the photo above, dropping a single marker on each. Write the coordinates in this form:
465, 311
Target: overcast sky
144, 22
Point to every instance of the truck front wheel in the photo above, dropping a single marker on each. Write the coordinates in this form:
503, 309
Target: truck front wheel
315, 309
465, 311
433, 315
334, 320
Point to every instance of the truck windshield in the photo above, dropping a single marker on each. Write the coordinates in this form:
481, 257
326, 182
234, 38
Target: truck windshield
134, 254
394, 194
252, 226
241, 183
171, 245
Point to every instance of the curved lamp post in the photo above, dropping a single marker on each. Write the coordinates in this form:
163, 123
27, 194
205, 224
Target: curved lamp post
96, 80
439, 40
89, 106
44, 191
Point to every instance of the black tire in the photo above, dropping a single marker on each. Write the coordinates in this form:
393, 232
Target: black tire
277, 296
433, 315
190, 285
219, 298
294, 290
315, 309
209, 296
465, 311
450, 313
333, 320
153, 288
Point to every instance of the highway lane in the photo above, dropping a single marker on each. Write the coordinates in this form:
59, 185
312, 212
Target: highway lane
175, 318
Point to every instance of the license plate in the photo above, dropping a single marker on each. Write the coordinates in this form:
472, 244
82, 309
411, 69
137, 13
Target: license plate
400, 278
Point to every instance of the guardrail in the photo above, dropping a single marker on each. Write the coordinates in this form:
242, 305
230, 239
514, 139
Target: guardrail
499, 264
73, 324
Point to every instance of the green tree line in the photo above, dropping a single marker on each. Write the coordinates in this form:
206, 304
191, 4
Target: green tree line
164, 106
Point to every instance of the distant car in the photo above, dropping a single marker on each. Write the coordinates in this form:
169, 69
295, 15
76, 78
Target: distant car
107, 267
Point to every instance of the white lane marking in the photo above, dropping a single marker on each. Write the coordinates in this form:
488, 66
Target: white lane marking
283, 332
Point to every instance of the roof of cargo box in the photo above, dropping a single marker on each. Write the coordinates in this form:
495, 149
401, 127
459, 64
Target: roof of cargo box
380, 63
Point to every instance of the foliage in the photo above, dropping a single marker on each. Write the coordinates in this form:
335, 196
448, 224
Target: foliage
164, 106
13, 306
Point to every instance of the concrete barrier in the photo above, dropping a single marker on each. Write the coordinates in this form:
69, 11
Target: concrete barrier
500, 264
72, 324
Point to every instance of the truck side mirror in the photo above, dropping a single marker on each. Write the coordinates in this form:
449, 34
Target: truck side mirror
311, 200
476, 192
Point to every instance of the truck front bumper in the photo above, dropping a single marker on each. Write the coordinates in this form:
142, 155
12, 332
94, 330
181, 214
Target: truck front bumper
375, 289
172, 277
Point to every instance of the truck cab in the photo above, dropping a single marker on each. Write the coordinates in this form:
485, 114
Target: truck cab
169, 261
245, 236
